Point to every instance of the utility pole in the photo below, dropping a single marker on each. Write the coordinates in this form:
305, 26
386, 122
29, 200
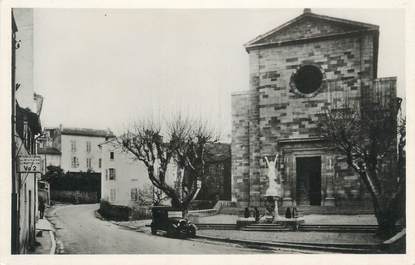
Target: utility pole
14, 214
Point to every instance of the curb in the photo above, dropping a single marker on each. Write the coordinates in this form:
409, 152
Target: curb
299, 246
52, 238
98, 215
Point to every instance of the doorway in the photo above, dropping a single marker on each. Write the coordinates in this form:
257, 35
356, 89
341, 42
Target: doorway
308, 185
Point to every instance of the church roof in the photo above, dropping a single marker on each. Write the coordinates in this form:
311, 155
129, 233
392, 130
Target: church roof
309, 26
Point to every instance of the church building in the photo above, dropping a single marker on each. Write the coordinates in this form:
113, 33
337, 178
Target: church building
298, 70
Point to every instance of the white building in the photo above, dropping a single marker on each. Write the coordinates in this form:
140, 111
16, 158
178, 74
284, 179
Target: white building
74, 149
124, 179
79, 148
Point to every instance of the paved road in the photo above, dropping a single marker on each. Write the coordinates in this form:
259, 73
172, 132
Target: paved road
82, 233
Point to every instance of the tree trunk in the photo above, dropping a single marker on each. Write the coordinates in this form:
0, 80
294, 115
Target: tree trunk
176, 203
388, 208
387, 212
387, 223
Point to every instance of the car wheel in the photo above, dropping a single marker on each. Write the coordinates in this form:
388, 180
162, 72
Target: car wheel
192, 231
153, 231
170, 232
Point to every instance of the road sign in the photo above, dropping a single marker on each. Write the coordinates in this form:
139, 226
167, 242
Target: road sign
29, 164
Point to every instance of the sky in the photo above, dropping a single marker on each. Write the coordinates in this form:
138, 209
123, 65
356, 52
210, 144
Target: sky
100, 68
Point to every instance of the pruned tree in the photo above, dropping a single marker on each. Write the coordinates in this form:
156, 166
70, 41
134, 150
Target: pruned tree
372, 136
158, 197
181, 141
189, 138
149, 195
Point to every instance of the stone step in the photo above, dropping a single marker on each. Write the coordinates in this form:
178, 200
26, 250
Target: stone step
313, 209
305, 227
302, 227
217, 226
307, 209
282, 229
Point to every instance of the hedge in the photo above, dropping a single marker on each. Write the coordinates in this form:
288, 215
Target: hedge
114, 212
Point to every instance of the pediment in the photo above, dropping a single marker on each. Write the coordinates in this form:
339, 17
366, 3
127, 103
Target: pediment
309, 26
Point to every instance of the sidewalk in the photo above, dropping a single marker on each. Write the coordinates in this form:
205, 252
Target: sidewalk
138, 225
294, 237
282, 236
44, 237
312, 219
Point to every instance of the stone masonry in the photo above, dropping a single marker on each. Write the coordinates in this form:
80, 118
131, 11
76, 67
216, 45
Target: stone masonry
275, 117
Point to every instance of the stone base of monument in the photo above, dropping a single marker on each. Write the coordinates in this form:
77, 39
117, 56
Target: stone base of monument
266, 219
294, 223
241, 221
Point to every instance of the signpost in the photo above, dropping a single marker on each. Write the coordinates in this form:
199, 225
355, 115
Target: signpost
29, 164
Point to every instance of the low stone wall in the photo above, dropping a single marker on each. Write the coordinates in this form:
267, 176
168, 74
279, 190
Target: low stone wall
74, 196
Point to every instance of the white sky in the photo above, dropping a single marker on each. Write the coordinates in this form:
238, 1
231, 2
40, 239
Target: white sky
102, 68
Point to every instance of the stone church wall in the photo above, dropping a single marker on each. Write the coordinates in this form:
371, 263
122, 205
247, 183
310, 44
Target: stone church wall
275, 117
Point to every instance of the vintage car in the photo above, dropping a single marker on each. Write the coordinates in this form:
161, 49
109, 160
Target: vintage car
169, 220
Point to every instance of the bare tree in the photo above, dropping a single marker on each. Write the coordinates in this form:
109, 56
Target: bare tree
181, 141
189, 137
373, 137
158, 197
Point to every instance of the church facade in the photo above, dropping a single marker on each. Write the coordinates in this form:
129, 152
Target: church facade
298, 70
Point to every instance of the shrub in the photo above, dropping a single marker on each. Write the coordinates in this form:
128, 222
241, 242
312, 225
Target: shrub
140, 212
114, 212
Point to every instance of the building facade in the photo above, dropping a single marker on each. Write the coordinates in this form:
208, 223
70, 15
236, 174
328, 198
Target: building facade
298, 70
26, 127
50, 156
123, 178
74, 149
125, 181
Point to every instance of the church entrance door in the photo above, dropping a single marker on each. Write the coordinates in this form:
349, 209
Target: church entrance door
308, 185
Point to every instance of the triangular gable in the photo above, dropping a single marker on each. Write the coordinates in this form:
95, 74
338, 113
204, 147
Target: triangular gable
309, 26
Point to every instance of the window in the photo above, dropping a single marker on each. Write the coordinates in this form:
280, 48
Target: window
73, 145
89, 163
88, 147
112, 195
99, 162
112, 155
134, 194
106, 174
307, 79
74, 162
112, 173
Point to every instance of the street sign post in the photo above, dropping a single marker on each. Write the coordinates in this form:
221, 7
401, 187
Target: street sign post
29, 164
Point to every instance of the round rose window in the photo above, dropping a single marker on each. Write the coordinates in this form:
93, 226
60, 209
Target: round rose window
307, 79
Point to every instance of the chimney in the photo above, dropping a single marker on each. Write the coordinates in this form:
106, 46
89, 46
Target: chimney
307, 11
